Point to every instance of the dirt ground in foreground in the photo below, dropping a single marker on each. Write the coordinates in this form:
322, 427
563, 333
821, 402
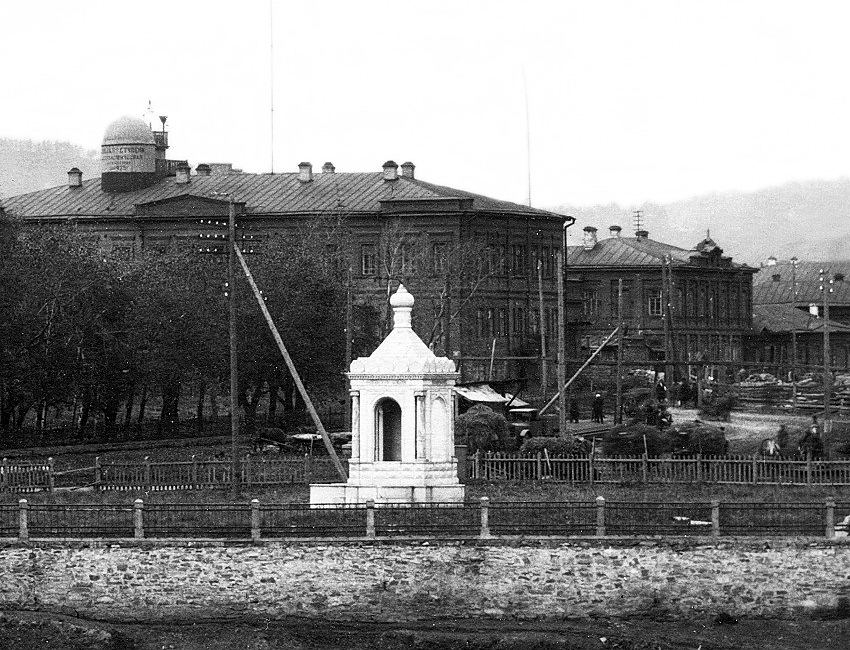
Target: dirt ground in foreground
25, 631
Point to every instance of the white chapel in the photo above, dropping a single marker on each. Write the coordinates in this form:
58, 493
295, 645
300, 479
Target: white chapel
402, 420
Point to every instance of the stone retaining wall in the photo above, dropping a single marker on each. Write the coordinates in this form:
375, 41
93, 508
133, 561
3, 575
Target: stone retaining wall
414, 580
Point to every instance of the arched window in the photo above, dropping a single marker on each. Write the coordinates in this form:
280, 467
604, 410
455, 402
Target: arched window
388, 429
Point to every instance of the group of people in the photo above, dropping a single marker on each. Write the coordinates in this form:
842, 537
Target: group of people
597, 413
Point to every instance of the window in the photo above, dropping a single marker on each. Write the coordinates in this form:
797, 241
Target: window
491, 326
627, 298
519, 320
503, 322
590, 303
654, 301
546, 258
439, 257
368, 263
480, 324
519, 260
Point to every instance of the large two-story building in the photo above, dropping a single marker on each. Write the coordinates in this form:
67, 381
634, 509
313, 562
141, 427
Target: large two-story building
709, 296
142, 200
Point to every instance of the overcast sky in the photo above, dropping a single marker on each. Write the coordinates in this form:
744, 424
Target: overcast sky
629, 101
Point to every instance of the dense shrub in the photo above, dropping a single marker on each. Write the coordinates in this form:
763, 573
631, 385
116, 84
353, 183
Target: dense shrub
628, 440
719, 405
701, 438
559, 446
481, 428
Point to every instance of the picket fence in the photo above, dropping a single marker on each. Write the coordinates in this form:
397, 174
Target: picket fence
741, 470
262, 472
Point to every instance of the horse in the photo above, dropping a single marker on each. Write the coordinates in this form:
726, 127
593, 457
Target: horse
770, 447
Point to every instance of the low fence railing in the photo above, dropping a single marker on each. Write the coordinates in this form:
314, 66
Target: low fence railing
256, 472
482, 519
742, 470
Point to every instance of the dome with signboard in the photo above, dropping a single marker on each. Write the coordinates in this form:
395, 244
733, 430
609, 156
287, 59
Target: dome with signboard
128, 130
127, 156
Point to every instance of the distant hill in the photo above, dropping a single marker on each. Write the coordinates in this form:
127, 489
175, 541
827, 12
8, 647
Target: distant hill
27, 166
807, 219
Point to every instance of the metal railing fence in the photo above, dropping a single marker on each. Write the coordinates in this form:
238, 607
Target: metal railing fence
482, 519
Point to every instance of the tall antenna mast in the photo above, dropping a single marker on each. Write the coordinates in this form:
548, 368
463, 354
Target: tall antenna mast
271, 80
527, 135
638, 220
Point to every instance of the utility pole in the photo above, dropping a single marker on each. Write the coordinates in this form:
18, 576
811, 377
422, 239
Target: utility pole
665, 310
618, 413
562, 349
826, 286
231, 324
348, 342
544, 374
794, 336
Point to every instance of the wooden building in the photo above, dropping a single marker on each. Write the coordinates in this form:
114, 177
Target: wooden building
776, 326
773, 286
709, 297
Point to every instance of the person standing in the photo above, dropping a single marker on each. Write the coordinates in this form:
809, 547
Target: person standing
598, 404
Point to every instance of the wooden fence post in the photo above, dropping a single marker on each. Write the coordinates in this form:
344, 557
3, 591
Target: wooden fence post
98, 474
590, 466
147, 472
308, 469
715, 518
699, 468
538, 466
644, 466
755, 470
51, 481
255, 521
600, 516
7, 480
485, 518
370, 518
248, 470
23, 523
138, 521
829, 517
194, 477
809, 467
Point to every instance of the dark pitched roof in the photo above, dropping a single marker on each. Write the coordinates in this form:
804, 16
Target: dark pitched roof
786, 318
262, 194
768, 291
631, 251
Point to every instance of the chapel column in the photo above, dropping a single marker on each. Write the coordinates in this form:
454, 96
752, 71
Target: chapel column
420, 425
355, 424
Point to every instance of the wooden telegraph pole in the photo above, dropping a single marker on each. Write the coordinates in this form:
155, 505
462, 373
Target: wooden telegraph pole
826, 286
544, 370
794, 336
618, 413
349, 327
562, 350
231, 325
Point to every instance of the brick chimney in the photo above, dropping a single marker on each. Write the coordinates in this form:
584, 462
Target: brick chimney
181, 174
203, 169
390, 171
641, 234
407, 170
328, 168
588, 240
615, 231
305, 172
75, 177
771, 261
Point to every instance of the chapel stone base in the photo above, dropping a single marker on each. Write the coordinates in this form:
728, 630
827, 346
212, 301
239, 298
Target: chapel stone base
393, 482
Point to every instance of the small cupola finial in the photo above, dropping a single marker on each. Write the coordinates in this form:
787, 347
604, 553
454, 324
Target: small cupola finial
402, 303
